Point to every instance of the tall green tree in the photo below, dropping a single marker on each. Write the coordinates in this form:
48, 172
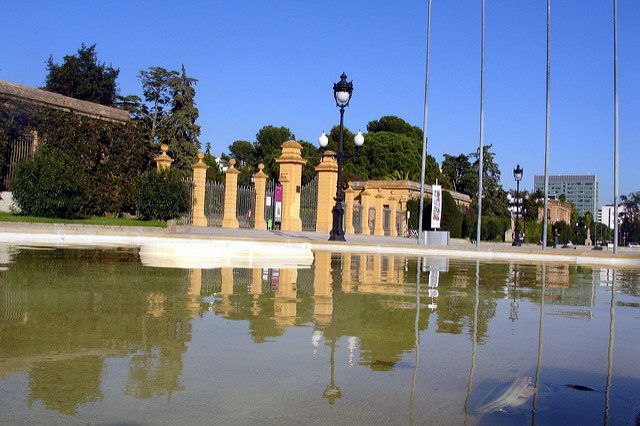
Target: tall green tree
393, 124
494, 201
83, 77
156, 87
458, 171
244, 152
213, 172
268, 147
182, 132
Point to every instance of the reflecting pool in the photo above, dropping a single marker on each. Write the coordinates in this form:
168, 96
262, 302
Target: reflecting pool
96, 336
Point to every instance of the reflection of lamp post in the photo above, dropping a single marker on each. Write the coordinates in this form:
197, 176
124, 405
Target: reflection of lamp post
517, 175
332, 391
342, 91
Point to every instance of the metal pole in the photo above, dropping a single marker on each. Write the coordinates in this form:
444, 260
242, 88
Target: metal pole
517, 212
424, 123
615, 125
480, 148
337, 231
546, 134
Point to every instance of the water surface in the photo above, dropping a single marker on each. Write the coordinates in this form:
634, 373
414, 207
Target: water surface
96, 336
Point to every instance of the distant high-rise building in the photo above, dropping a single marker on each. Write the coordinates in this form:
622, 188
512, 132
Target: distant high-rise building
581, 190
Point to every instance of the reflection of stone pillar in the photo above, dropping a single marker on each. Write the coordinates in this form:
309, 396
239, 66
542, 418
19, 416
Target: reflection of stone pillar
377, 266
322, 288
285, 299
391, 269
346, 270
156, 304
226, 290
362, 269
199, 185
195, 286
401, 261
163, 161
393, 228
348, 213
327, 180
256, 290
291, 163
229, 219
378, 228
364, 217
260, 184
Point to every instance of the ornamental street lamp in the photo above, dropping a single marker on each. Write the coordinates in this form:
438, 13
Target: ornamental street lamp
342, 92
517, 175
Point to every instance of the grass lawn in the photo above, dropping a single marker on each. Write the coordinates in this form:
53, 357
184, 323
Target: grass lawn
96, 220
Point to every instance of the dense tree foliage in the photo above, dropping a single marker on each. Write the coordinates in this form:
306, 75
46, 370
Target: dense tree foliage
630, 226
81, 76
156, 87
393, 124
162, 194
104, 158
268, 146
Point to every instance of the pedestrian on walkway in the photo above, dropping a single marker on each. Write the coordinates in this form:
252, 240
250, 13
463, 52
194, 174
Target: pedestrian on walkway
555, 237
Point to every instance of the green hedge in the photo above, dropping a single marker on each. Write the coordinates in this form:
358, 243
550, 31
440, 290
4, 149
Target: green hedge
50, 186
162, 195
107, 157
451, 215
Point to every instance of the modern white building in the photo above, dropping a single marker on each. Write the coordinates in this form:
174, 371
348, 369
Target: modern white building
606, 214
581, 190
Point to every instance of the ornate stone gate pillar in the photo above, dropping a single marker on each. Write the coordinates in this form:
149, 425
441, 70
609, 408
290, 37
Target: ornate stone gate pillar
199, 189
229, 219
327, 180
291, 163
260, 184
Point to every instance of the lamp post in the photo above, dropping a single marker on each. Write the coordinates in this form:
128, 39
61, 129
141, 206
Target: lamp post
342, 92
517, 175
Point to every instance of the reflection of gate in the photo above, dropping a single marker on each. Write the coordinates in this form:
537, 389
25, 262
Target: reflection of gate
357, 218
19, 149
214, 203
386, 213
245, 206
309, 205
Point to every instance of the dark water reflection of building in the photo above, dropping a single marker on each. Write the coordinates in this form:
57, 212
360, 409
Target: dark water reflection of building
104, 303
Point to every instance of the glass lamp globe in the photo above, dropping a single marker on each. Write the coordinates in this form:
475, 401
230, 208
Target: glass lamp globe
342, 97
323, 140
359, 139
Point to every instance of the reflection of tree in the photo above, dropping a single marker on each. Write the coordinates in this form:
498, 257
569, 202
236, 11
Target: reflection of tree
384, 333
66, 384
97, 305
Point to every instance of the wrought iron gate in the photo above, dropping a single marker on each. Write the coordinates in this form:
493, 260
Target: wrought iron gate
269, 202
214, 203
19, 149
357, 218
245, 206
309, 205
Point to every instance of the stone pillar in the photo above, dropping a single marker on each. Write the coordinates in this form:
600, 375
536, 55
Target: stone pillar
256, 290
348, 213
364, 217
378, 228
327, 181
163, 161
393, 205
322, 288
260, 184
229, 218
403, 209
226, 290
199, 186
291, 163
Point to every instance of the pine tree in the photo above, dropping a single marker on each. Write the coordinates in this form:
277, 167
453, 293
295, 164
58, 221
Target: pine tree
182, 132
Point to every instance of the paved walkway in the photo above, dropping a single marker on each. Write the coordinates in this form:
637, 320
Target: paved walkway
629, 257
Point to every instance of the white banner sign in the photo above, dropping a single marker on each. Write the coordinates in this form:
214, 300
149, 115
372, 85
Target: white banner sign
436, 206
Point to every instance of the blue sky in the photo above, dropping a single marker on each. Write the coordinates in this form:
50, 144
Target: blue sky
274, 62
